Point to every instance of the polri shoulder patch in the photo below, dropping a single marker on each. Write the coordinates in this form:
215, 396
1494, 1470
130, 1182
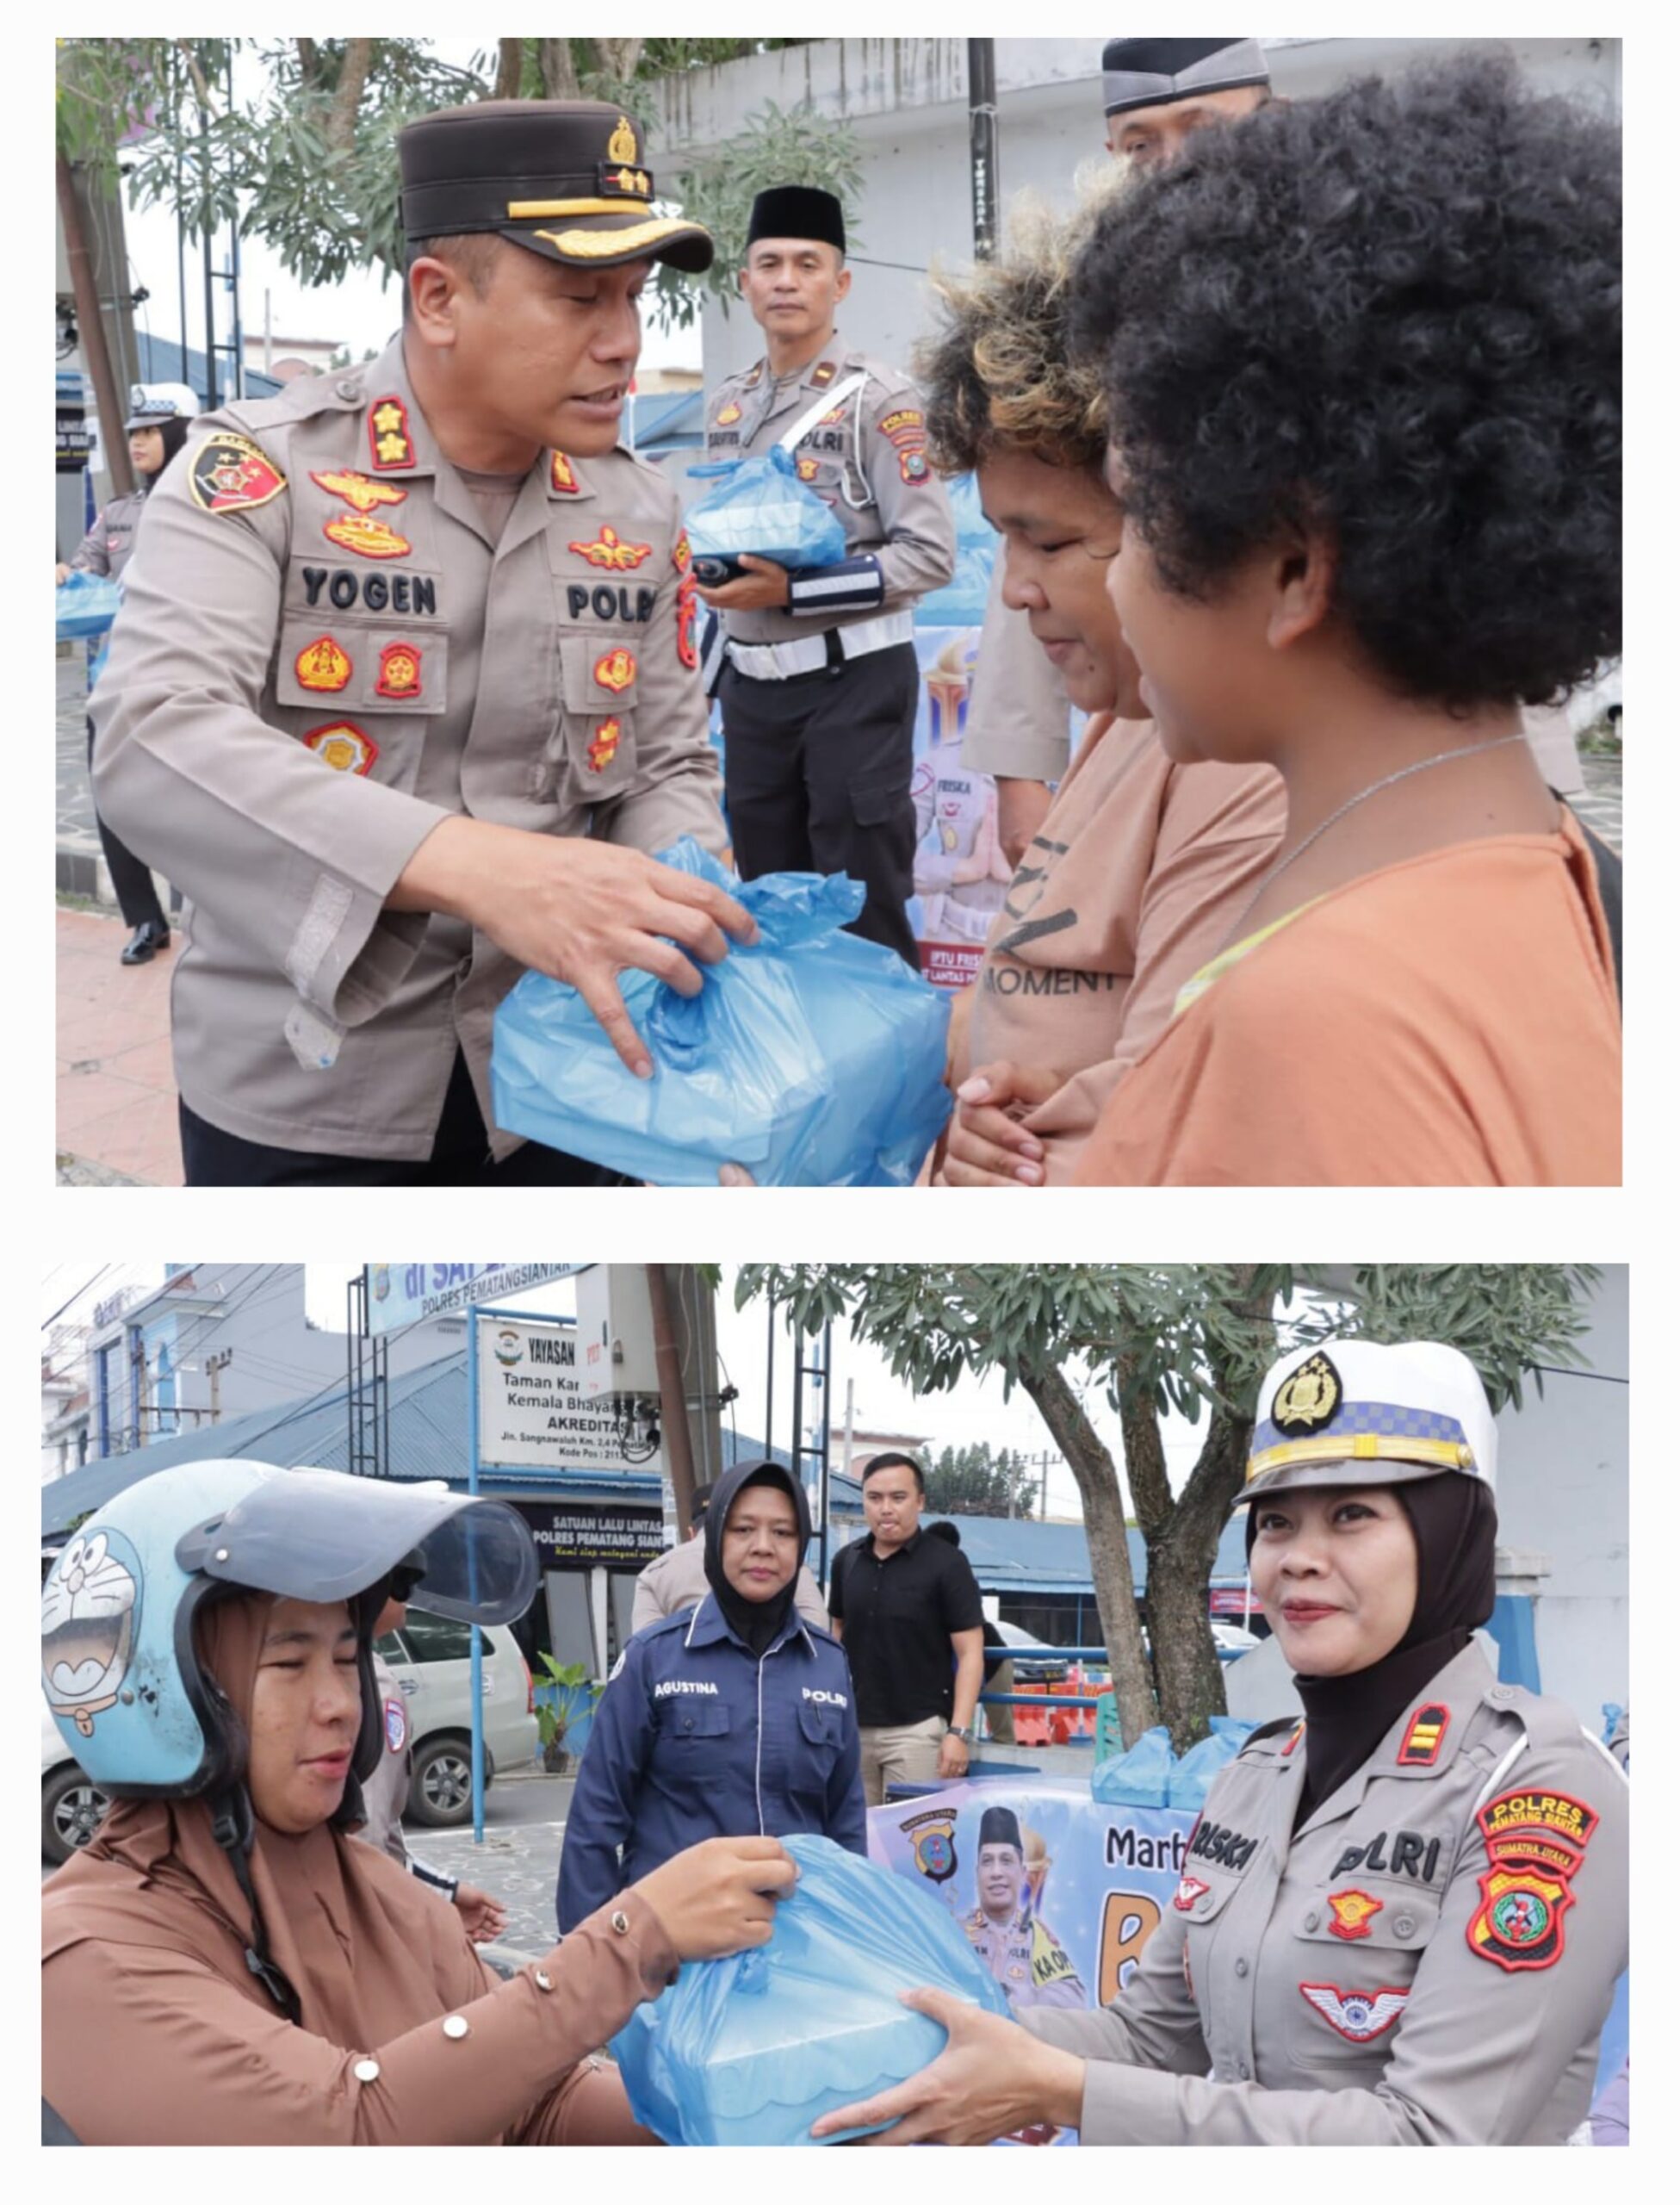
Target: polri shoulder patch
228, 474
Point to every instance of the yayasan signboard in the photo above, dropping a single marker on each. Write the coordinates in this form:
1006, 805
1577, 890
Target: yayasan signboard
532, 1412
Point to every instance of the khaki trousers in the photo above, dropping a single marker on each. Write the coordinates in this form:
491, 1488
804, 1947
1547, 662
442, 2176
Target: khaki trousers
906, 1754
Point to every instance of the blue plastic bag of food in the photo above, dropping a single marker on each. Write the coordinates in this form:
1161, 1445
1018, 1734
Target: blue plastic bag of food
754, 2049
1138, 1777
812, 1058
1194, 1772
86, 604
760, 505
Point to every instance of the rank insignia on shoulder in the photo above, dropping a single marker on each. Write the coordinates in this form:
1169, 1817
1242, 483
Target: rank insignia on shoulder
1360, 2016
360, 490
563, 476
728, 416
610, 550
322, 665
366, 537
399, 671
750, 379
823, 376
1421, 1746
1351, 1911
616, 671
343, 746
228, 474
604, 745
387, 433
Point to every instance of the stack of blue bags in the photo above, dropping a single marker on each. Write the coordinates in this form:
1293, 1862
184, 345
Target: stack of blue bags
1149, 1775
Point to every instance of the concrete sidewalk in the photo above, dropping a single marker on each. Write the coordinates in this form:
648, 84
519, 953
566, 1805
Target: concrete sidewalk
117, 1104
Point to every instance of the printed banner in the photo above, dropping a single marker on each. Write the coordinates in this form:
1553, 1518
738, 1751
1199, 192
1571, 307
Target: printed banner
1057, 1894
961, 873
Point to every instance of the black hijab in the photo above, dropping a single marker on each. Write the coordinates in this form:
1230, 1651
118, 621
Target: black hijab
1455, 1524
754, 1622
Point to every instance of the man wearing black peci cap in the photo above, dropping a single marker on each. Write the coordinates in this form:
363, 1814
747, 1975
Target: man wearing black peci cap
820, 686
1005, 1928
407, 682
1157, 92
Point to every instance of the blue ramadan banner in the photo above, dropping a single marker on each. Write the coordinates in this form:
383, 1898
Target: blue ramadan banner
1058, 1894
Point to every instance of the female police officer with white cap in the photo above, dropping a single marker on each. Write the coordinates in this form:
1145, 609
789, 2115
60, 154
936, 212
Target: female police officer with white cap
220, 1965
1400, 1920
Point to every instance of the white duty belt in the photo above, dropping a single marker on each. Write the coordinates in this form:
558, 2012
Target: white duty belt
776, 662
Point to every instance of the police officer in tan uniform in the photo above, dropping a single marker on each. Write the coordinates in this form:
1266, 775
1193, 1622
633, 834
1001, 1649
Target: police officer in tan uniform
406, 682
1004, 1930
1400, 1920
820, 685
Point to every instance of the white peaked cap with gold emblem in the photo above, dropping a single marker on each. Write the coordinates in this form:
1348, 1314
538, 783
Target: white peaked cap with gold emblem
1351, 1413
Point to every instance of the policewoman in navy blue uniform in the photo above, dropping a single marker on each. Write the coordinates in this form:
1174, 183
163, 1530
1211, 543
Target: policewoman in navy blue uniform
1401, 1919
736, 1720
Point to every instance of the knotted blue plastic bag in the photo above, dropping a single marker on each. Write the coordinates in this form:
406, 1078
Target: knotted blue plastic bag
813, 1059
1138, 1777
754, 2049
86, 604
760, 505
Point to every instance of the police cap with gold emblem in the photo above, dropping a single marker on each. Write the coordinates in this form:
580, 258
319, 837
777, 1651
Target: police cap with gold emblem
1351, 1413
564, 178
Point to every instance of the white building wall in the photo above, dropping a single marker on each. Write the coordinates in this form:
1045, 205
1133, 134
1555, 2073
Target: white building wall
1564, 1495
907, 100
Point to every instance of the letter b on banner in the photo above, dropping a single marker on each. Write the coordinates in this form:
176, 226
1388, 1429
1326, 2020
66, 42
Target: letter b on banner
1129, 1921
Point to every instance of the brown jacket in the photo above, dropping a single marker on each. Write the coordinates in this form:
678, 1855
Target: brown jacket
323, 592
1428, 1960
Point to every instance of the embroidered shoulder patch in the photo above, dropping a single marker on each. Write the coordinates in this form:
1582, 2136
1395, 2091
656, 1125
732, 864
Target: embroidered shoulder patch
1536, 1841
228, 474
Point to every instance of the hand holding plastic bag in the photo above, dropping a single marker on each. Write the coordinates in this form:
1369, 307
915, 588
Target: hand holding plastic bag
811, 1058
754, 2049
760, 506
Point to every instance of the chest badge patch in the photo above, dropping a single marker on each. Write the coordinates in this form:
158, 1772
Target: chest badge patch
563, 476
1360, 2016
610, 550
396, 1726
387, 433
366, 537
359, 490
1308, 1397
616, 671
1421, 1747
322, 665
728, 416
229, 475
399, 671
1190, 1889
343, 746
806, 470
1350, 1913
604, 746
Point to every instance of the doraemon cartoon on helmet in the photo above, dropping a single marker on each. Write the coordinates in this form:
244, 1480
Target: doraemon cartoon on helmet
118, 1661
1357, 1413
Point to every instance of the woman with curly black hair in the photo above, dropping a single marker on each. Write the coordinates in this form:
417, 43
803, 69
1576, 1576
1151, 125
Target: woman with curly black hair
1363, 362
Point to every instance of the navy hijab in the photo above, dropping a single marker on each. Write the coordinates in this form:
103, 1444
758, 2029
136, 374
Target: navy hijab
755, 1623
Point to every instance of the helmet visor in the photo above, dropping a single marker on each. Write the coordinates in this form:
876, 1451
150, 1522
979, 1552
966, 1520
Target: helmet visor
322, 1535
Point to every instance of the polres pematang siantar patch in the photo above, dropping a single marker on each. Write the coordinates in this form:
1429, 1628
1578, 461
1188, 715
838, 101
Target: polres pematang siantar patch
1536, 1841
228, 474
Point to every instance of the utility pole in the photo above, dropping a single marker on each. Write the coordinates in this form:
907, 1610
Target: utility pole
113, 445
673, 1409
214, 1367
1044, 1486
983, 144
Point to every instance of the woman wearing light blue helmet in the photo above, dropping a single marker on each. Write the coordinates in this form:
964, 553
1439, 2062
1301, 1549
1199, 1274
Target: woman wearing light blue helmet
221, 1965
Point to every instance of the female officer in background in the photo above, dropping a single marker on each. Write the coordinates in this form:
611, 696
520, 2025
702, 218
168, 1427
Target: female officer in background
1400, 1920
738, 1717
221, 1965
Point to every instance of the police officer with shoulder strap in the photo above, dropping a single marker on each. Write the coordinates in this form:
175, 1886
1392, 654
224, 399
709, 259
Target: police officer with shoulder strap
820, 688
1400, 1920
406, 683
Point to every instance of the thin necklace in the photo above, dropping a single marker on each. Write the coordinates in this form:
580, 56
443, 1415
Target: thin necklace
1405, 772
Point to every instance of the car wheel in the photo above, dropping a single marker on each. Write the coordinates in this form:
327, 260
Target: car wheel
72, 1809
440, 1784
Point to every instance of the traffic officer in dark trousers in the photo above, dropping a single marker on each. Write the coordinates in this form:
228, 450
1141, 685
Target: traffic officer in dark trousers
820, 685
405, 683
1399, 1920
